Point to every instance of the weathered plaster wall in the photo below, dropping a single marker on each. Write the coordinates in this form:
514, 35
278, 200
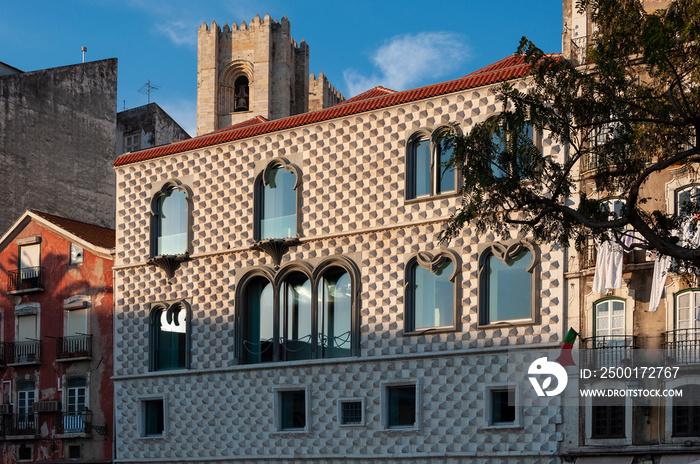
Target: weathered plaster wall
57, 142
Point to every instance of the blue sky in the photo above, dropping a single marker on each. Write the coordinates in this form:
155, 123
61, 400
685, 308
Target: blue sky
358, 44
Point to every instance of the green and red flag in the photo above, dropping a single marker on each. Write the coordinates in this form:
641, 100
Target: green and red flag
565, 358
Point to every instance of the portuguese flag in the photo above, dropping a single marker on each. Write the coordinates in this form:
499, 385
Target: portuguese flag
565, 358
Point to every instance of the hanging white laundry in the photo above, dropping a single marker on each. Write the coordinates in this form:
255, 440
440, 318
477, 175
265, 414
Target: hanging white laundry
608, 268
658, 281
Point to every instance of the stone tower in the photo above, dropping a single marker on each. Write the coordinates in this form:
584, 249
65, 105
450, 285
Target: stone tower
250, 70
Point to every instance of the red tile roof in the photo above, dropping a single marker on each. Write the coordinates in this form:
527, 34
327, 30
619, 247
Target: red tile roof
249, 122
508, 68
371, 93
96, 235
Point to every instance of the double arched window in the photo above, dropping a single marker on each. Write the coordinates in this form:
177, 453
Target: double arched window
299, 312
432, 291
508, 281
277, 199
171, 220
170, 336
427, 168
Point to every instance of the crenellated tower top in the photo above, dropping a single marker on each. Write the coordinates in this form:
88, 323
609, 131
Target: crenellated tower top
250, 69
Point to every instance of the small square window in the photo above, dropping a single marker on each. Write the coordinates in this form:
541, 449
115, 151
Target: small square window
401, 406
351, 412
153, 418
24, 452
293, 410
503, 406
132, 142
74, 452
76, 254
608, 419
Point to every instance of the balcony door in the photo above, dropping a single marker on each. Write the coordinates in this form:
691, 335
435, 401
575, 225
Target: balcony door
26, 395
687, 310
76, 395
610, 322
29, 264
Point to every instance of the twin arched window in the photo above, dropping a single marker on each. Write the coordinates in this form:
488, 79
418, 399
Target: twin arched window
427, 170
170, 336
298, 314
507, 283
171, 213
432, 287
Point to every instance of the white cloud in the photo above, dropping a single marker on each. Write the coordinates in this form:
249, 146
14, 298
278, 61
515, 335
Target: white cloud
407, 60
179, 32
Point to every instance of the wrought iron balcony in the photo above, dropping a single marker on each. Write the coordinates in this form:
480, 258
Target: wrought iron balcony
3, 357
26, 352
19, 424
683, 346
28, 279
74, 422
75, 346
608, 350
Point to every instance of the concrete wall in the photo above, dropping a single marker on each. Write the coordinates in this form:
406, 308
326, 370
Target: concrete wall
154, 125
57, 142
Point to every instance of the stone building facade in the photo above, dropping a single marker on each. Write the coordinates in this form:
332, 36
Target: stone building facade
146, 126
255, 69
320, 319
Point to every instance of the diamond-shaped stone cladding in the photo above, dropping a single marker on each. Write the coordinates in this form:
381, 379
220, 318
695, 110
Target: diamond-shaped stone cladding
352, 203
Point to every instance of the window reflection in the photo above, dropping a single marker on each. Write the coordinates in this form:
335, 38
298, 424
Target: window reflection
508, 289
432, 296
172, 223
335, 314
278, 216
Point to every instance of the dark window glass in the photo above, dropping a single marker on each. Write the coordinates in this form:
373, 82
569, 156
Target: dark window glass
335, 314
446, 174
351, 412
296, 326
154, 421
259, 326
170, 338
172, 223
402, 406
278, 216
608, 420
432, 296
293, 409
502, 406
508, 289
419, 163
24, 452
686, 412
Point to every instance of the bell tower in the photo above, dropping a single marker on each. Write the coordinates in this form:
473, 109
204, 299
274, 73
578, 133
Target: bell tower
249, 70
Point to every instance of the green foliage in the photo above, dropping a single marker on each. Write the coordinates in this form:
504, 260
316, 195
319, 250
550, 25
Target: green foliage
629, 113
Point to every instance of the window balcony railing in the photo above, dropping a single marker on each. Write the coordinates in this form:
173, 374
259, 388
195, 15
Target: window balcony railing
26, 352
579, 50
683, 346
28, 279
74, 422
19, 424
608, 350
74, 346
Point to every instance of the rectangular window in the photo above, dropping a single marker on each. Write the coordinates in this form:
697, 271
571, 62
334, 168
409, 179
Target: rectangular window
30, 266
153, 418
401, 407
293, 409
132, 142
608, 420
503, 406
351, 412
25, 452
74, 452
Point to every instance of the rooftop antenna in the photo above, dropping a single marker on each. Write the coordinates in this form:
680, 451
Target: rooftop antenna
148, 88
83, 49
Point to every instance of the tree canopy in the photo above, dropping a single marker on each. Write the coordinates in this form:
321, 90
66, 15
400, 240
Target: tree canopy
628, 113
